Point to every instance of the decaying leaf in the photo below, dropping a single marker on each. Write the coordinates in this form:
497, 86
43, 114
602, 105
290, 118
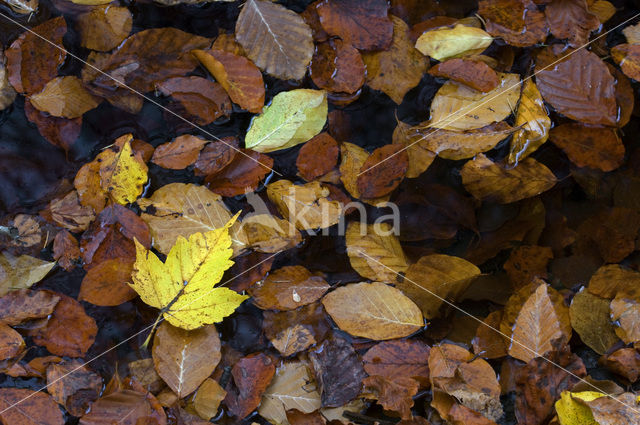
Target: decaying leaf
21, 272
196, 98
208, 398
38, 409
337, 67
293, 331
66, 250
317, 157
7, 93
126, 407
11, 342
242, 175
473, 73
179, 153
103, 28
275, 38
22, 305
572, 20
215, 156
73, 385
488, 343
396, 396
612, 280
64, 97
534, 123
590, 319
266, 233
519, 23
420, 158
526, 263
399, 359
373, 310
587, 146
625, 313
353, 158
445, 43
107, 283
288, 288
382, 171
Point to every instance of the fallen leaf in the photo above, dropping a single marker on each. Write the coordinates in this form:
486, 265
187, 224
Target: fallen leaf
73, 385
38, 409
383, 171
595, 147
294, 331
293, 117
24, 7
197, 98
396, 396
21, 272
107, 283
519, 23
288, 288
571, 412
64, 97
444, 275
269, 234
420, 158
398, 69
240, 78
445, 43
103, 28
288, 390
22, 305
8, 94
144, 372
624, 362
526, 263
475, 74
296, 417
186, 279
533, 122
126, 407
337, 67
344, 18
607, 411
317, 157
184, 359
180, 153
66, 250
590, 319
632, 34
122, 174
613, 279
572, 20
208, 398
488, 343
69, 331
459, 107
215, 156
69, 213
489, 181
373, 310
338, 370
275, 38
59, 132
462, 415
579, 86
603, 10
399, 360
11, 342
375, 252
625, 313
353, 158
243, 174
307, 206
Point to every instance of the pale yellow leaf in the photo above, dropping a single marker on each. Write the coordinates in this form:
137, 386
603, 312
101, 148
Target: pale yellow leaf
444, 43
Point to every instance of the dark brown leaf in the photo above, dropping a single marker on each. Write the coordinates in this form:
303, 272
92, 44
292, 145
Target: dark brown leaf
382, 171
125, 407
518, 22
594, 147
61, 132
288, 288
73, 386
38, 409
179, 153
572, 20
200, 100
65, 250
475, 74
215, 156
526, 263
394, 395
103, 28
251, 375
337, 67
11, 342
243, 174
294, 331
399, 359
25, 304
317, 157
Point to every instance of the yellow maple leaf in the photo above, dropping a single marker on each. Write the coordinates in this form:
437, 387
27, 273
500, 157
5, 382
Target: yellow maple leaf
183, 286
122, 174
572, 412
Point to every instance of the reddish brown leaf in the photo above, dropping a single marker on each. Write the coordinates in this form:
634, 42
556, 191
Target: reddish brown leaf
69, 213
337, 67
475, 74
613, 279
11, 342
69, 331
251, 375
38, 409
296, 417
65, 250
594, 147
243, 174
294, 331
73, 385
201, 100
288, 288
179, 153
628, 57
24, 304
317, 157
237, 75
126, 407
64, 97
106, 283
103, 28
613, 231
624, 362
215, 156
382, 171
572, 20
579, 86
488, 343
518, 22
32, 63
394, 395
462, 415
345, 18
61, 132
526, 263
399, 359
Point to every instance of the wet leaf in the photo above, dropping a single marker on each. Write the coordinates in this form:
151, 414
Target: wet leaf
184, 359
420, 158
73, 385
59, 132
127, 407
607, 411
382, 171
459, 107
624, 362
198, 99
373, 310
519, 23
69, 331
398, 69
296, 417
307, 205
269, 234
590, 319
7, 93
144, 372
38, 409
571, 412
180, 153
475, 74
632, 34
317, 157
444, 275
534, 121
488, 343
613, 279
11, 342
353, 158
240, 78
294, 331
288, 288
21, 272
572, 20
293, 117
66, 250
107, 283
395, 396
370, 245
337, 67
445, 43
399, 360
22, 305
103, 28
64, 97
208, 398
344, 18
275, 38
489, 181
69, 213
243, 174
594, 147
215, 156
526, 263
625, 313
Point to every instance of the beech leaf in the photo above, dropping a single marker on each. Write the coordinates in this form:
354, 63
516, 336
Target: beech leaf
445, 43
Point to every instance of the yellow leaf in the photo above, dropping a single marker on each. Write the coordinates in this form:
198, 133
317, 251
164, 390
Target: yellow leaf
572, 412
21, 272
122, 174
532, 116
183, 286
293, 117
444, 43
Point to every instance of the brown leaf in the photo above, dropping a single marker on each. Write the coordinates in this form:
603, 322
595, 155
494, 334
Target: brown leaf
624, 362
243, 174
69, 331
533, 121
208, 398
22, 305
103, 28
590, 319
578, 86
179, 153
395, 395
382, 171
32, 64
398, 69
613, 231
251, 375
625, 313
489, 181
38, 409
73, 386
215, 156
624, 95
70, 214
353, 158
420, 158
288, 288
519, 23
595, 147
125, 407
475, 74
143, 371
337, 67
488, 343
607, 411
317, 157
296, 417
64, 97
462, 415
294, 331
572, 20
269, 234
399, 360
185, 358
65, 250
275, 38
628, 57
345, 18
241, 79
200, 100
59, 132
107, 283
373, 310
527, 262
613, 279
338, 370
11, 342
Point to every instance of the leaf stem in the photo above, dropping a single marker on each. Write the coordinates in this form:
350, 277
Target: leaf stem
155, 324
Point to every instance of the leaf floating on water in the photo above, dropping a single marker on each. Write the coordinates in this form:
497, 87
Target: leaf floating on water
445, 43
64, 97
534, 121
594, 147
21, 272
